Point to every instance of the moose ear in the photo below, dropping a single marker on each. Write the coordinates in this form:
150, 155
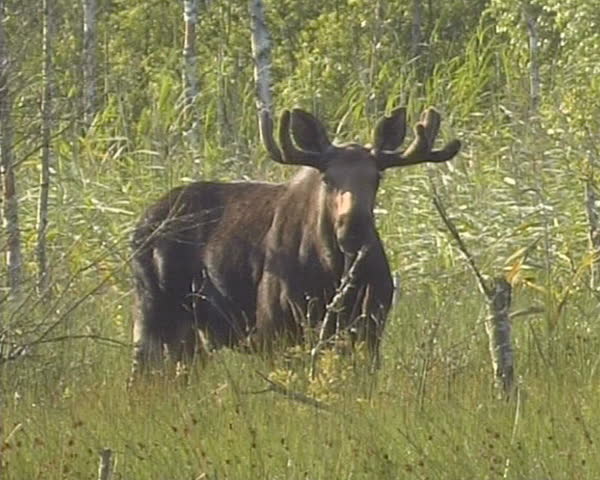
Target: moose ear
308, 132
390, 131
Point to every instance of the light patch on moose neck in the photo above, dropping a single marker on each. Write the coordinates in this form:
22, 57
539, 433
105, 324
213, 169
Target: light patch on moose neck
344, 202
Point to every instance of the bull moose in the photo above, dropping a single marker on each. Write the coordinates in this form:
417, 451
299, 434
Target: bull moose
252, 263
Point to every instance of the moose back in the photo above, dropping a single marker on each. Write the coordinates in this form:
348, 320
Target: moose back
252, 264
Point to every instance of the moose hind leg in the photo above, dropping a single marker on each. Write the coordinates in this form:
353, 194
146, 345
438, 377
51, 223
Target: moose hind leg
147, 351
181, 347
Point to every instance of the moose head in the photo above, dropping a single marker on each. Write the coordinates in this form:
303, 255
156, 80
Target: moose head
350, 173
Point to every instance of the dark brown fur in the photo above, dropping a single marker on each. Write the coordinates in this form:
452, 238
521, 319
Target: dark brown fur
251, 263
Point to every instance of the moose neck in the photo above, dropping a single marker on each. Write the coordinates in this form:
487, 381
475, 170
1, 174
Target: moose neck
308, 198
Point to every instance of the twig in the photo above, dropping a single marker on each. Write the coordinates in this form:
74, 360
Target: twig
290, 394
527, 311
13, 432
16, 351
333, 308
98, 338
437, 201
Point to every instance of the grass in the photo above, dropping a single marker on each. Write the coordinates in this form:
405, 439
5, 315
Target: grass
429, 413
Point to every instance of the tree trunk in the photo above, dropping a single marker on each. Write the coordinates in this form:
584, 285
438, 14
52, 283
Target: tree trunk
534, 67
105, 466
90, 46
498, 328
416, 39
373, 68
261, 51
593, 219
10, 200
190, 70
47, 99
498, 323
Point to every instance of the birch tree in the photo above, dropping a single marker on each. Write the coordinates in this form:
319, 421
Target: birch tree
190, 69
90, 46
47, 99
415, 32
9, 189
593, 219
534, 67
261, 52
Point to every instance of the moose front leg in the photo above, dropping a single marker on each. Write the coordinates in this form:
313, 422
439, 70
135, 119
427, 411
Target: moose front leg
373, 303
370, 327
279, 315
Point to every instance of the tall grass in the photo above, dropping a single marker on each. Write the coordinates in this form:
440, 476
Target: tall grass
429, 413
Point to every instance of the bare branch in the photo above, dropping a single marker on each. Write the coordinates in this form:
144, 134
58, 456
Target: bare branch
524, 312
439, 206
290, 394
333, 308
498, 297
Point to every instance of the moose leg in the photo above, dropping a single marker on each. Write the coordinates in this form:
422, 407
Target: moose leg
182, 346
147, 345
372, 322
161, 325
279, 316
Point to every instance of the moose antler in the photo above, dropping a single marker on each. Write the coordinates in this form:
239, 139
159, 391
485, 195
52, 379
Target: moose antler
421, 149
266, 135
309, 143
390, 132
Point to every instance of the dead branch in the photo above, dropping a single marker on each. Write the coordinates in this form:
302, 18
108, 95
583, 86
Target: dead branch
498, 328
524, 312
439, 206
498, 297
15, 351
334, 307
290, 394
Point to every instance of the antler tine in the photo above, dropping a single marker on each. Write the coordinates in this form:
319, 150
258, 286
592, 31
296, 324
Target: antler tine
288, 154
421, 149
431, 120
292, 154
266, 135
390, 131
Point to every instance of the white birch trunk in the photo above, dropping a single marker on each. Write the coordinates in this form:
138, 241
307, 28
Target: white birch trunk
105, 466
415, 32
90, 46
10, 209
190, 70
261, 51
190, 57
593, 219
534, 67
47, 99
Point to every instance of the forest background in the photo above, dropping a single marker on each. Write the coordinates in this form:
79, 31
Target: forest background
107, 104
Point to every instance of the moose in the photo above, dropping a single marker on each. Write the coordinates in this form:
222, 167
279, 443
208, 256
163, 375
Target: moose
250, 264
